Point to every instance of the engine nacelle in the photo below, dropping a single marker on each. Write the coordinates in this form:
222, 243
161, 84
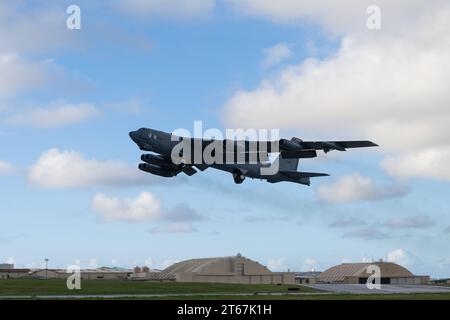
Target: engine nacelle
152, 158
157, 170
288, 145
238, 176
159, 161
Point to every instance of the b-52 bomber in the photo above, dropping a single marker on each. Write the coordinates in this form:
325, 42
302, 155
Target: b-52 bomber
173, 154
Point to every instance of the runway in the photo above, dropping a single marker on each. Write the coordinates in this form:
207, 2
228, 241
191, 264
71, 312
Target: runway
326, 289
385, 288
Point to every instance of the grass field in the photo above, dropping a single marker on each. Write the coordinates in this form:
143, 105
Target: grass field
58, 287
32, 287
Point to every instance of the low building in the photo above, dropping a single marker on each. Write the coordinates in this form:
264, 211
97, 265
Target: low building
14, 273
6, 266
308, 277
146, 273
358, 273
104, 275
441, 281
86, 274
235, 269
45, 274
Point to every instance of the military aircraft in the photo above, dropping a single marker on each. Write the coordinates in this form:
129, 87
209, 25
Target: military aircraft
169, 159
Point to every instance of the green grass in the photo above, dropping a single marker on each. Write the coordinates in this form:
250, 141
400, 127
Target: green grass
32, 287
58, 287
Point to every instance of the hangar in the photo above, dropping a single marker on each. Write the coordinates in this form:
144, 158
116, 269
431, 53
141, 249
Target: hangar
356, 273
234, 269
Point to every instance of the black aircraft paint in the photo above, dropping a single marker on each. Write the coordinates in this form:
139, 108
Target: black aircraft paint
248, 158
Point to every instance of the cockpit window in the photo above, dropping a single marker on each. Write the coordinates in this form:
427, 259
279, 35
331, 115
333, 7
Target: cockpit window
149, 134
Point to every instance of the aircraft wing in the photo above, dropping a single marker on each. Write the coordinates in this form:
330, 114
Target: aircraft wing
336, 145
304, 149
294, 148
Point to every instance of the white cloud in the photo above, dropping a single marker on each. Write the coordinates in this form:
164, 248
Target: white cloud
310, 264
68, 168
182, 212
18, 74
276, 54
356, 187
32, 29
390, 90
54, 116
335, 16
390, 86
145, 207
148, 262
416, 222
92, 264
276, 264
5, 167
10, 260
400, 257
167, 8
25, 31
178, 219
426, 163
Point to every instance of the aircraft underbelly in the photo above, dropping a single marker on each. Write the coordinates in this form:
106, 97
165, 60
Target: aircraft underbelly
248, 170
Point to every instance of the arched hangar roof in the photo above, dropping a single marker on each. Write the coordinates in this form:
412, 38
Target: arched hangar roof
340, 272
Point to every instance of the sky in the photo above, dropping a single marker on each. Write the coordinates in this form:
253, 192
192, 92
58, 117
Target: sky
71, 190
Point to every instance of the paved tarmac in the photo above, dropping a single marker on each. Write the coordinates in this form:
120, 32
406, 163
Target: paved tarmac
327, 289
385, 288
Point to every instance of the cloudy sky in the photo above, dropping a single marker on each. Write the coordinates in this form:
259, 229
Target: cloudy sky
69, 181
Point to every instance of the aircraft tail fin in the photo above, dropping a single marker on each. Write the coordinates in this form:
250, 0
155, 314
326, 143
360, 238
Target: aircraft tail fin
301, 175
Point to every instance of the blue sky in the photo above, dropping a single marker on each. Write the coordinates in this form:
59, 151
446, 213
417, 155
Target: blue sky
70, 98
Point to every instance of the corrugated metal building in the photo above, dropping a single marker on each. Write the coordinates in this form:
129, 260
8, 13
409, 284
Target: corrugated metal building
235, 269
354, 273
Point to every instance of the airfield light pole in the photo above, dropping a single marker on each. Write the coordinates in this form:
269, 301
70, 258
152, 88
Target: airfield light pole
46, 268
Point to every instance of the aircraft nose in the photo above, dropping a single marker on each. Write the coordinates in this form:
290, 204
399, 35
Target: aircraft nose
133, 135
